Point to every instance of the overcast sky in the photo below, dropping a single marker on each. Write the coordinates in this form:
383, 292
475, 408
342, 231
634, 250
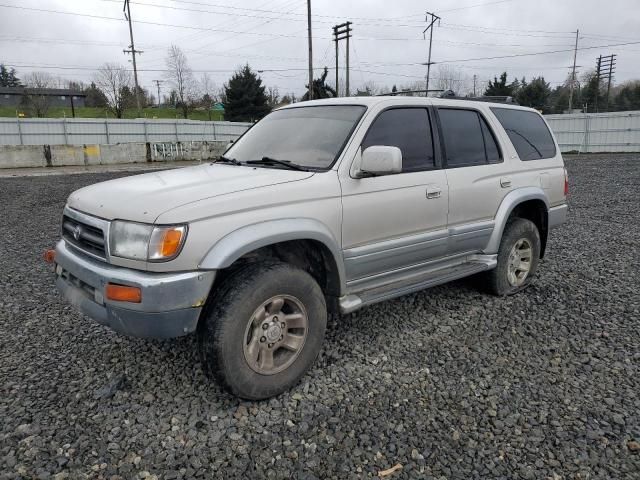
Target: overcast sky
387, 45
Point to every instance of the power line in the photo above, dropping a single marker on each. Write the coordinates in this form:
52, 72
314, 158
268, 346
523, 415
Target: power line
144, 22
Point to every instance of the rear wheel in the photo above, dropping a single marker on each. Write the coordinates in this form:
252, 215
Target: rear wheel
518, 258
263, 329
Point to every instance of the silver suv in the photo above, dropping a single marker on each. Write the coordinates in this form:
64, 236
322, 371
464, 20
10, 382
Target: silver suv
322, 207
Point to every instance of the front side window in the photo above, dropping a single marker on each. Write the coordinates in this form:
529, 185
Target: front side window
409, 129
527, 131
311, 137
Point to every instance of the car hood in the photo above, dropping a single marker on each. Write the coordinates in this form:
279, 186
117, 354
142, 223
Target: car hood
143, 198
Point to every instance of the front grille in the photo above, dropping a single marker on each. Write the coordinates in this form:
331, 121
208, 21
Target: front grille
85, 237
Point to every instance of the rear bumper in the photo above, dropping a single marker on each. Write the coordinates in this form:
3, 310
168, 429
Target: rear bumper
171, 303
558, 215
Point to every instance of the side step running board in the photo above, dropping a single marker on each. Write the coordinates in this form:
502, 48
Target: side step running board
352, 302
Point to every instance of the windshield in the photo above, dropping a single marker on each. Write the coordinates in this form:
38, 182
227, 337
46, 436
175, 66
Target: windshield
311, 137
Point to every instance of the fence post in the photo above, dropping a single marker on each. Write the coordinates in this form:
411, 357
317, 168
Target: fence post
176, 125
64, 129
20, 131
215, 137
146, 138
106, 127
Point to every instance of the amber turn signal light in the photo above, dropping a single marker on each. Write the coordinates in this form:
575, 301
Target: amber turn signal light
123, 293
50, 255
171, 242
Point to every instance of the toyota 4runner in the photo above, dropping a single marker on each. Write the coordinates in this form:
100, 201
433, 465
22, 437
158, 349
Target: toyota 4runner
321, 207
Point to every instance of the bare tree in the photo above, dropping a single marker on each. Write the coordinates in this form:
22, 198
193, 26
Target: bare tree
273, 96
36, 99
180, 75
450, 77
115, 81
207, 90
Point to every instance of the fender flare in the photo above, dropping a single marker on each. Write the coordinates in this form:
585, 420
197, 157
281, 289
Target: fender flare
511, 201
251, 237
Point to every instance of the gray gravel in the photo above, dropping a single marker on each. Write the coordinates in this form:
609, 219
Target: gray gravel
449, 383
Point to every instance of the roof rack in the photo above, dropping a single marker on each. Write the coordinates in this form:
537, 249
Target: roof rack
493, 99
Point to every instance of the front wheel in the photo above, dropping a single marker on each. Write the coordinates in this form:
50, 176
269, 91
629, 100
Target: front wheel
518, 258
262, 329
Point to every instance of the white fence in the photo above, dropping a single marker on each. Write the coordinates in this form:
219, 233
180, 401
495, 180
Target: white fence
597, 132
590, 132
90, 131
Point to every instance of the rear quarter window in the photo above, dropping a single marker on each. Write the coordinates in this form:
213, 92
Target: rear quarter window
528, 132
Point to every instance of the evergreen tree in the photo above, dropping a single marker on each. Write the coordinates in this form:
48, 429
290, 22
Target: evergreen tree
499, 88
534, 94
320, 88
591, 94
628, 98
245, 97
95, 97
8, 78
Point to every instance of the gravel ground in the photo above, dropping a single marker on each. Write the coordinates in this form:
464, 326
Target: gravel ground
449, 383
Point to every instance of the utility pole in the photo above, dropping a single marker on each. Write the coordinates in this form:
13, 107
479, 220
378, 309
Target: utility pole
158, 82
612, 62
475, 77
573, 73
605, 67
310, 50
132, 50
429, 28
598, 67
342, 32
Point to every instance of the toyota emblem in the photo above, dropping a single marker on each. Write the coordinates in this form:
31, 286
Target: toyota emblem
77, 231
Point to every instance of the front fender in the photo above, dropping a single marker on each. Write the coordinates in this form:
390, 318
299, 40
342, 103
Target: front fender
251, 237
511, 201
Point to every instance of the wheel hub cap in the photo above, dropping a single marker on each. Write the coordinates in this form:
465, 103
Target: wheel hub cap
519, 262
275, 334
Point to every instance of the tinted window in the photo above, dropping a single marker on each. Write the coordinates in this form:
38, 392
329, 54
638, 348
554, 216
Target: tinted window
463, 138
528, 133
408, 129
493, 153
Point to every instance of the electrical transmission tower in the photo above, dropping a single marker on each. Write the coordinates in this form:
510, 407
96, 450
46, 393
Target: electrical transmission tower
605, 68
342, 32
132, 50
430, 19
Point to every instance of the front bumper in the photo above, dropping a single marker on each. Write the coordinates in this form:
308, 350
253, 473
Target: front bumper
171, 302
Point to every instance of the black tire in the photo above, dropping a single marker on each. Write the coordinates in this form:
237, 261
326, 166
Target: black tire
227, 319
498, 280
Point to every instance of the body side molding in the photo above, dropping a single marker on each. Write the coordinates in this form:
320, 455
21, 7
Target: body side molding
251, 237
510, 201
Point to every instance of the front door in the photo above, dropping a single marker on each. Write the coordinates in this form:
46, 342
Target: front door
399, 220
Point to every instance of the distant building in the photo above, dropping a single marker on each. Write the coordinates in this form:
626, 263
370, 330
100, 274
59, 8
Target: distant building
57, 97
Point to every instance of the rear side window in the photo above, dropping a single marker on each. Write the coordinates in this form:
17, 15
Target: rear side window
409, 129
529, 134
467, 138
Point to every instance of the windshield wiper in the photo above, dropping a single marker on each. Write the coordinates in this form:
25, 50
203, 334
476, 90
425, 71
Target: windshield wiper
273, 161
223, 159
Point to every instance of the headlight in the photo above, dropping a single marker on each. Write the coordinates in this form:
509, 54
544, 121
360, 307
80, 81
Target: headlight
139, 241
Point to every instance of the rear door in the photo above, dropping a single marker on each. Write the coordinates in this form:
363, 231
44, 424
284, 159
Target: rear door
399, 220
475, 170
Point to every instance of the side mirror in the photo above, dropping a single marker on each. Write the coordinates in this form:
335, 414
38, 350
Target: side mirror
380, 160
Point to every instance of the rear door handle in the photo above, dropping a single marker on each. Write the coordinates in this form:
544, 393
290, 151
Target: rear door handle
433, 192
505, 182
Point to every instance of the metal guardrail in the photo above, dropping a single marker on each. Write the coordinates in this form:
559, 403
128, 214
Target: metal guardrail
67, 131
